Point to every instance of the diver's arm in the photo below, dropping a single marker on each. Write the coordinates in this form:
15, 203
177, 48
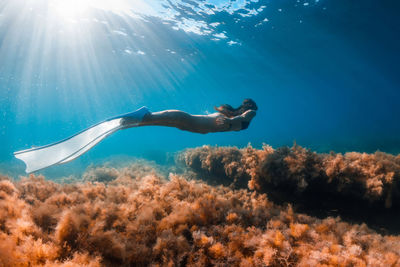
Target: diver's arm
242, 121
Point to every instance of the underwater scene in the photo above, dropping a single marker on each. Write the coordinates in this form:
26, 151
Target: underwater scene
199, 133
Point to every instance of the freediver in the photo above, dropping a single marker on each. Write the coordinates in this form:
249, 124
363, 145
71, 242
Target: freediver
225, 119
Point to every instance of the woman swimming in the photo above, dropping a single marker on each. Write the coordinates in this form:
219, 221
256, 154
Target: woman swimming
225, 119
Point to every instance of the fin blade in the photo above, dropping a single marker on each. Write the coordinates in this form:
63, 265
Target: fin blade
64, 151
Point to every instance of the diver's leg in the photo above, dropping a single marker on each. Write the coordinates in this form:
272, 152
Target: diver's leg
177, 119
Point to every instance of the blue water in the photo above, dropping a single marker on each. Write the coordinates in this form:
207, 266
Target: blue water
323, 73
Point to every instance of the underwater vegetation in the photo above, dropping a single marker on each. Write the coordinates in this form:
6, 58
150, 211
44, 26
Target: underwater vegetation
364, 187
216, 209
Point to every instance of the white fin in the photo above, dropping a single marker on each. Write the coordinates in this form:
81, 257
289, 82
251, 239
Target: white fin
64, 151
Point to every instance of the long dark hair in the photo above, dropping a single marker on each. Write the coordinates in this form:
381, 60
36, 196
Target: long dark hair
230, 111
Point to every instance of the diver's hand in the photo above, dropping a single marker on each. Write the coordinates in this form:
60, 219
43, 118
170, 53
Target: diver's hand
221, 120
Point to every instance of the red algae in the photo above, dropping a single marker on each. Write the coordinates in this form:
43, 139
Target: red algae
135, 216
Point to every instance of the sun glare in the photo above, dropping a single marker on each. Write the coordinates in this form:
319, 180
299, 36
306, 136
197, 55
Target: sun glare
71, 9
75, 9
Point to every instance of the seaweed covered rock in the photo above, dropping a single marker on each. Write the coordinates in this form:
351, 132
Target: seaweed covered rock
369, 179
